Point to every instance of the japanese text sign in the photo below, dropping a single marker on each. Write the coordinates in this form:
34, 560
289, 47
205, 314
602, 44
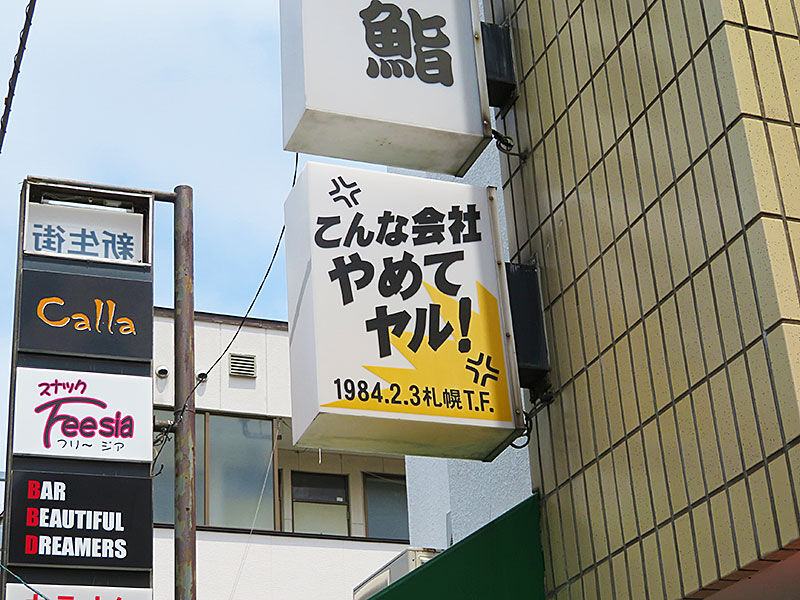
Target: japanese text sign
85, 315
399, 83
17, 591
64, 519
397, 314
84, 233
76, 414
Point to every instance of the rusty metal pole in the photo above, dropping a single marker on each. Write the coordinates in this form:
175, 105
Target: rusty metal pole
185, 507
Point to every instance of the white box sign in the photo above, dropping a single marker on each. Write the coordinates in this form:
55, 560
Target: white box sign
84, 233
17, 591
75, 414
399, 83
400, 337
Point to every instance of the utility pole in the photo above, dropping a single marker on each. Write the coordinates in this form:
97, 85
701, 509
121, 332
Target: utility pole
185, 507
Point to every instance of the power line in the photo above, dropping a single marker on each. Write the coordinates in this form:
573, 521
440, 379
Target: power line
38, 593
179, 414
12, 82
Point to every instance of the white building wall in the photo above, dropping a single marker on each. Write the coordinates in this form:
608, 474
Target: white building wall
267, 394
272, 567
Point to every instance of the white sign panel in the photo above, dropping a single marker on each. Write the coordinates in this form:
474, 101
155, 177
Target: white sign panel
75, 414
400, 339
17, 591
399, 83
84, 233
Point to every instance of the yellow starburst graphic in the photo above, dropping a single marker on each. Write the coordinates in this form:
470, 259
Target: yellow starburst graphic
447, 382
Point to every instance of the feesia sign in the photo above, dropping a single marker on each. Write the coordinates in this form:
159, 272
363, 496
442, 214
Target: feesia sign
397, 83
17, 591
77, 414
63, 519
419, 357
86, 316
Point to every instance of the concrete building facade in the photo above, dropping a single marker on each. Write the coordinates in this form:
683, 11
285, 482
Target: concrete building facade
660, 199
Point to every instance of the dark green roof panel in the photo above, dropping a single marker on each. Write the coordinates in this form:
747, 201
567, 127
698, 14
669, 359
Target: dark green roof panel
502, 560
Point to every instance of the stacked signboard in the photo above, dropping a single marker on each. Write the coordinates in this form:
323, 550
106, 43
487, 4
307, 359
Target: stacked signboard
78, 520
420, 357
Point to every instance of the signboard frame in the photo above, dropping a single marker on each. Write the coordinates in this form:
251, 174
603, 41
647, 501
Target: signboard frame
316, 129
314, 238
120, 493
17, 591
88, 196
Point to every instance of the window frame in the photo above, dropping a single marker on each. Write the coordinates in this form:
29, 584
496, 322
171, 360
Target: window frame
344, 476
364, 475
207, 414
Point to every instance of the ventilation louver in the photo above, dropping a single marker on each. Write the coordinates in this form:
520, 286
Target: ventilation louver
241, 365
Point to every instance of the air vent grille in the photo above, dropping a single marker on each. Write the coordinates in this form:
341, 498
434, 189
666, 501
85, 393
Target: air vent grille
242, 365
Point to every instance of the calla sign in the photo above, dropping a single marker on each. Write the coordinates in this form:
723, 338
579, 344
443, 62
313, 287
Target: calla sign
86, 315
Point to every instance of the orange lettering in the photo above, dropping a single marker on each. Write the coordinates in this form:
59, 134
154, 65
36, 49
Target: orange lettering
98, 309
126, 326
44, 303
112, 307
82, 322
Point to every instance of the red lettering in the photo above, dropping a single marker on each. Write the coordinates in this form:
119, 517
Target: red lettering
31, 544
34, 489
32, 519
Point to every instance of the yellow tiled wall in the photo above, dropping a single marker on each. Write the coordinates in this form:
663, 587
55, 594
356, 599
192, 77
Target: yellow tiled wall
661, 199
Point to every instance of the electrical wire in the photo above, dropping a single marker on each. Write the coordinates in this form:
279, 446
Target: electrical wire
12, 82
18, 578
179, 414
252, 526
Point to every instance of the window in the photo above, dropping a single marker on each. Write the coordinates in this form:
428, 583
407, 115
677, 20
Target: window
164, 483
239, 452
386, 506
232, 459
319, 503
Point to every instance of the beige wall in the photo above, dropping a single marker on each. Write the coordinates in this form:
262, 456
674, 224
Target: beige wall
352, 465
662, 201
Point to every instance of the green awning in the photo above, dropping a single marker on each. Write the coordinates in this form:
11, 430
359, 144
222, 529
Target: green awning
501, 560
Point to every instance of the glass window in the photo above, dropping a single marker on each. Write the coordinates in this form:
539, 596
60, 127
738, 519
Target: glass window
164, 483
386, 506
319, 504
239, 454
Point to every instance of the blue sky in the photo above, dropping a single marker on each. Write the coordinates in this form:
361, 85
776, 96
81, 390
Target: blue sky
153, 94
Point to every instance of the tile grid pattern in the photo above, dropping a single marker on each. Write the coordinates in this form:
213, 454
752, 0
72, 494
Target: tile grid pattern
660, 202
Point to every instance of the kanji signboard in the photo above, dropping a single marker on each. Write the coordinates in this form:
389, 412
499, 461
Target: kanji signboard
86, 315
75, 414
399, 83
17, 591
84, 233
400, 338
64, 519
